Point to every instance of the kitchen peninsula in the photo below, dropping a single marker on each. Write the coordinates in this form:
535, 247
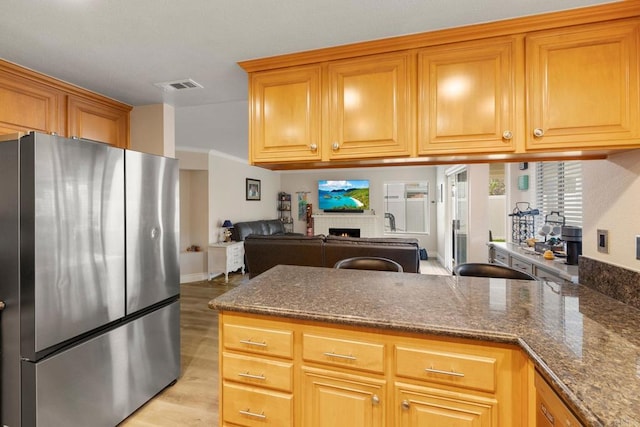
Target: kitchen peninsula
296, 338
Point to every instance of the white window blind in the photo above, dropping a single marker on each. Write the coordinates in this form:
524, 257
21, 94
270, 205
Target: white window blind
559, 189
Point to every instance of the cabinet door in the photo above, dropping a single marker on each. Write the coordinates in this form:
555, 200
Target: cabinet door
466, 98
99, 122
28, 106
332, 399
370, 107
284, 111
421, 406
583, 87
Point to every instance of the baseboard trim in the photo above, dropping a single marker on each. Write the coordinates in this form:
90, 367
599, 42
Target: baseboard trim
194, 277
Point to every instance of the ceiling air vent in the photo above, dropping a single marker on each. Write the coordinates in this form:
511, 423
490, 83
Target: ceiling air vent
178, 85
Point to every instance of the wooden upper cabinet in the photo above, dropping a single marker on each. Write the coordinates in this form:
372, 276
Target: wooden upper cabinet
26, 105
284, 111
30, 101
467, 97
370, 107
557, 85
93, 120
583, 86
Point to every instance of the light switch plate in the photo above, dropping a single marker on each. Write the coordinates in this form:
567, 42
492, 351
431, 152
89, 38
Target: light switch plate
603, 241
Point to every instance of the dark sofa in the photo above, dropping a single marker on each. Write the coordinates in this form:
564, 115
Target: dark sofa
264, 227
265, 251
405, 252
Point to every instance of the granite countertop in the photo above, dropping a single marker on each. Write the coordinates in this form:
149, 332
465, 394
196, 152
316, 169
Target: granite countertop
585, 343
557, 265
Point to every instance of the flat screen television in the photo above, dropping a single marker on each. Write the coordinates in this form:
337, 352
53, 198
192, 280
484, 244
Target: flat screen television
351, 195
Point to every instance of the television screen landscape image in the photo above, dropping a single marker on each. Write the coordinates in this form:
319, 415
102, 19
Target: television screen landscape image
343, 196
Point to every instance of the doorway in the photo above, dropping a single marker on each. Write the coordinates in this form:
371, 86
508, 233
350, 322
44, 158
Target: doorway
457, 224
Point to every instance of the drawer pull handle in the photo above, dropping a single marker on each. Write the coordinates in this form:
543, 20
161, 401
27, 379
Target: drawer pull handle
248, 413
547, 414
249, 342
253, 377
339, 356
438, 371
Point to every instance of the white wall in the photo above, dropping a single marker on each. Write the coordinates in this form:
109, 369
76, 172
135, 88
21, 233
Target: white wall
227, 192
194, 209
478, 212
294, 181
153, 129
194, 214
221, 127
611, 201
497, 222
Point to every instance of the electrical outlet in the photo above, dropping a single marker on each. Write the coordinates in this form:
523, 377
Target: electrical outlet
637, 247
603, 241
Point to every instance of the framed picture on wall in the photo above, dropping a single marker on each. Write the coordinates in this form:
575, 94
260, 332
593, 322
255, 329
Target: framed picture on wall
253, 189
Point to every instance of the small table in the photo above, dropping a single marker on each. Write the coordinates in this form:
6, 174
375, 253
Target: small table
225, 257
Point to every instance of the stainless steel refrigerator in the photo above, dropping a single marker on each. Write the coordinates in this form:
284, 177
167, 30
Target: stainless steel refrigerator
89, 276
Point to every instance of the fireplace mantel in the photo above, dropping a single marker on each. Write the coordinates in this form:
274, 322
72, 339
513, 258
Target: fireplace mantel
366, 223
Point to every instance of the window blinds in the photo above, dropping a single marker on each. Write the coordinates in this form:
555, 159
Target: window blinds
559, 188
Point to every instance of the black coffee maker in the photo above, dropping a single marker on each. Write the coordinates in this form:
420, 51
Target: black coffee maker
573, 238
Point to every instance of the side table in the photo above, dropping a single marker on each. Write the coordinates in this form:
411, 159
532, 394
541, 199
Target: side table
225, 257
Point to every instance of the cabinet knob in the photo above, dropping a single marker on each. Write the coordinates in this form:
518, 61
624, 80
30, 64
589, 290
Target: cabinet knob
313, 147
507, 135
405, 404
2, 305
537, 132
335, 146
375, 399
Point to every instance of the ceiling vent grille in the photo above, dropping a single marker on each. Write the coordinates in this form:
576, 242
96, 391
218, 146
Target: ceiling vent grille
178, 85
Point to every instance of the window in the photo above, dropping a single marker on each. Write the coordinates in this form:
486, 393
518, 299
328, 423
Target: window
406, 207
559, 189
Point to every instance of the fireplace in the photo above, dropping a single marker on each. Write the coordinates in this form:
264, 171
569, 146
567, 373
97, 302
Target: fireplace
367, 224
344, 232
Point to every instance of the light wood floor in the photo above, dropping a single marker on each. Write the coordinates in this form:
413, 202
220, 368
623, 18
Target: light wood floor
193, 400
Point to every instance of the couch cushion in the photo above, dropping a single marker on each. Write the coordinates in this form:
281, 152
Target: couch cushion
405, 252
263, 252
262, 227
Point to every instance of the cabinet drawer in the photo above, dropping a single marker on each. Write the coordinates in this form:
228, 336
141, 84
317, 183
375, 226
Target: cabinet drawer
257, 372
461, 370
344, 352
270, 342
249, 406
522, 265
549, 276
501, 258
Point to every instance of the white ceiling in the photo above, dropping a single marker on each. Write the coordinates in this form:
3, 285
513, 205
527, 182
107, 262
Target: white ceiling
120, 48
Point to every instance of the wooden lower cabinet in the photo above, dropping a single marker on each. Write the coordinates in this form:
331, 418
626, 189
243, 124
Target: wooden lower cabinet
426, 406
332, 399
287, 372
253, 406
550, 410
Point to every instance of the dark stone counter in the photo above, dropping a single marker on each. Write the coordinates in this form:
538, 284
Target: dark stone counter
586, 344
